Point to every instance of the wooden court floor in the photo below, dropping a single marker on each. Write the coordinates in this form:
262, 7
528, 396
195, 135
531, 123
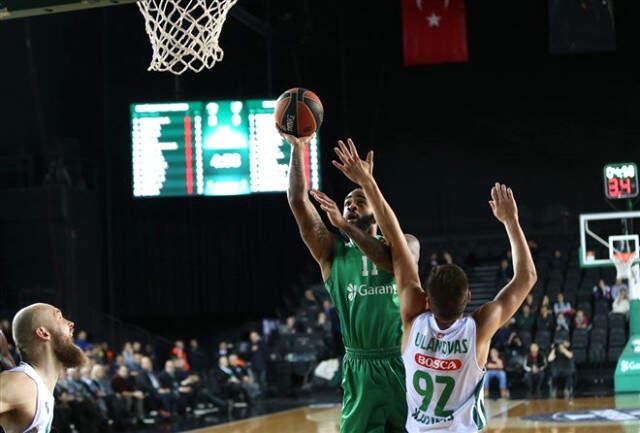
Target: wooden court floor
592, 415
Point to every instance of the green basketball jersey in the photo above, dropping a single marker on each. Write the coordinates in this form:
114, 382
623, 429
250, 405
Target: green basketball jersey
365, 298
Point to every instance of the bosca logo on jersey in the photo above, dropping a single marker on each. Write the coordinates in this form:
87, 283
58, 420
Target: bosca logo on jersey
354, 290
438, 364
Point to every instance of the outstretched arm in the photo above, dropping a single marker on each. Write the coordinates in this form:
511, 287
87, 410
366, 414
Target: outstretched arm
494, 314
376, 250
405, 267
315, 234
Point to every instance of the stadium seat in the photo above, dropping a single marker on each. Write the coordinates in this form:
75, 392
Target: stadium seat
601, 307
614, 353
599, 321
597, 354
617, 337
598, 337
579, 355
617, 320
580, 338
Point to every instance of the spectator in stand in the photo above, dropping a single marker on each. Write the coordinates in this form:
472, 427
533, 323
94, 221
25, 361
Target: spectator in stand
125, 390
147, 382
545, 321
149, 352
601, 291
83, 409
621, 304
71, 409
81, 340
246, 381
259, 358
127, 352
525, 320
433, 260
290, 327
562, 367
137, 347
513, 351
546, 303
530, 302
501, 337
534, 367
322, 325
223, 349
504, 273
581, 321
562, 324
562, 306
229, 383
447, 258
179, 353
495, 369
309, 299
558, 260
172, 382
98, 398
617, 288
197, 358
136, 365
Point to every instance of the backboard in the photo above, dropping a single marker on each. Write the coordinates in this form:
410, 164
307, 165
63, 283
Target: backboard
604, 234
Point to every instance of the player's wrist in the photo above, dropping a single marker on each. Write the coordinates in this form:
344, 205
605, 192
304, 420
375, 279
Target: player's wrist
511, 221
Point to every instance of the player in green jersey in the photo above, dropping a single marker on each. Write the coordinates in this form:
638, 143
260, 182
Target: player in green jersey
359, 278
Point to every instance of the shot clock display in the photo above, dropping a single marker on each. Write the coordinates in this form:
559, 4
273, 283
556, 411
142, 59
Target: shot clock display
621, 180
211, 148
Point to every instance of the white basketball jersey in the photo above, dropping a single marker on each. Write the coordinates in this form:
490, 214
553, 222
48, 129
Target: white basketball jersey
444, 381
43, 417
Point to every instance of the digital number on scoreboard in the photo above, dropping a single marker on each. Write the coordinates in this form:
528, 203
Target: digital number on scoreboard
214, 148
621, 180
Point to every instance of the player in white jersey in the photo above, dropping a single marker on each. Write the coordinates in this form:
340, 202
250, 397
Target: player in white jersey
444, 352
44, 339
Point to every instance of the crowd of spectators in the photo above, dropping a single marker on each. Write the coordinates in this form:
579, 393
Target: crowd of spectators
536, 345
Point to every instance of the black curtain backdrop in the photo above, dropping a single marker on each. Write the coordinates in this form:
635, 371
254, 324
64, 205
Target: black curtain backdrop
443, 134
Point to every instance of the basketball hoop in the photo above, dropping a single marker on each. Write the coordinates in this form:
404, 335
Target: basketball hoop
184, 33
623, 262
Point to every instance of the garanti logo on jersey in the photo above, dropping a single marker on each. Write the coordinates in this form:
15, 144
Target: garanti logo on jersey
438, 364
354, 290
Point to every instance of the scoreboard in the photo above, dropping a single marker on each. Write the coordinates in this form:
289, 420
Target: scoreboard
621, 180
212, 148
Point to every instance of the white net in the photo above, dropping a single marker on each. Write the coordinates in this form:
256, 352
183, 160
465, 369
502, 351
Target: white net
184, 33
623, 262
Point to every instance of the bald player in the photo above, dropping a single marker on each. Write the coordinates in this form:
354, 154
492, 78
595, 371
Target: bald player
44, 339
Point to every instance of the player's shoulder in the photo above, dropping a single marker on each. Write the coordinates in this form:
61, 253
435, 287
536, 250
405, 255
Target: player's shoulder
16, 387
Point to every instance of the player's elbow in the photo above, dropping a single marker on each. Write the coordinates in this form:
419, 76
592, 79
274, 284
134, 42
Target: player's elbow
527, 278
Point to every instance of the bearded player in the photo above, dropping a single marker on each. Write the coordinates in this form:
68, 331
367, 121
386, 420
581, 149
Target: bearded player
44, 339
444, 352
358, 276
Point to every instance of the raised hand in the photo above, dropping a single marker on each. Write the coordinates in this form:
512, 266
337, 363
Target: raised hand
503, 204
331, 208
357, 170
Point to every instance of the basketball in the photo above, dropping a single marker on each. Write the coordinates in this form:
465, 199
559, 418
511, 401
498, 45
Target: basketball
298, 112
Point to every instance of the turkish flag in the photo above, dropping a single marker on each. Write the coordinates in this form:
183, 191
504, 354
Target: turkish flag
434, 31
